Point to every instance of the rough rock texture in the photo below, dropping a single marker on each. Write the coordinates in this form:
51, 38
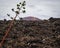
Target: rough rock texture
31, 34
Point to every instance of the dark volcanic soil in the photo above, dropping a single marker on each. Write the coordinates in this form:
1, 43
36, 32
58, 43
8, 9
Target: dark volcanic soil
32, 34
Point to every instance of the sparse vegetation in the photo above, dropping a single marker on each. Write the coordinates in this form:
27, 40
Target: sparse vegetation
34, 34
29, 34
20, 7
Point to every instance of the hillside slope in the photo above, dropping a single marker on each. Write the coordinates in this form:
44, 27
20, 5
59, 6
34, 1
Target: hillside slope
32, 34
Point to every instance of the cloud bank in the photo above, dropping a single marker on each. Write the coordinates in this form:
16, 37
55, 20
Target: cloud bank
42, 9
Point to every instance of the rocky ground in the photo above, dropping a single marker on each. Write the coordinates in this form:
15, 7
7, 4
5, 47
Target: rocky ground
32, 34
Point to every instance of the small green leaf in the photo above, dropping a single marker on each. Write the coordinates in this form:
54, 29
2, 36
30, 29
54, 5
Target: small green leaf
18, 5
12, 9
23, 11
24, 1
18, 8
23, 7
17, 12
23, 4
11, 17
8, 14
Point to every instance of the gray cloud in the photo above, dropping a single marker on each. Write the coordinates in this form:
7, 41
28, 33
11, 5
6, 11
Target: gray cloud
38, 8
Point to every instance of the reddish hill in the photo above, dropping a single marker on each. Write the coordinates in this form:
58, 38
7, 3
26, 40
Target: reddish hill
30, 18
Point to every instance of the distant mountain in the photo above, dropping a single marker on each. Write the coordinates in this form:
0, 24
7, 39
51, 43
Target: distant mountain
30, 18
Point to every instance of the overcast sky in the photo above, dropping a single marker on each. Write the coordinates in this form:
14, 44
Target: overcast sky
42, 9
